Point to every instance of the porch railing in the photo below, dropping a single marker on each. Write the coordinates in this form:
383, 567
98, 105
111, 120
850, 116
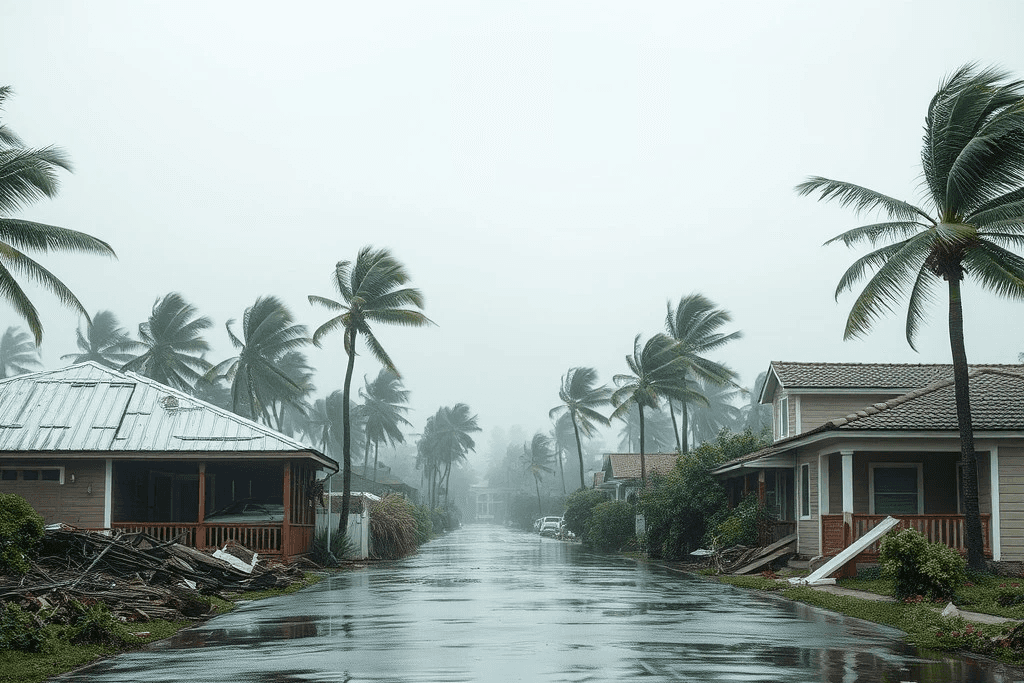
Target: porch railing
946, 529
263, 539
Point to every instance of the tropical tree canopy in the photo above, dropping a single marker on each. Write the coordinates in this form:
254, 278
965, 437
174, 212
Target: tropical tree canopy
536, 459
581, 399
104, 341
256, 376
383, 405
174, 344
445, 442
18, 353
659, 434
971, 218
26, 175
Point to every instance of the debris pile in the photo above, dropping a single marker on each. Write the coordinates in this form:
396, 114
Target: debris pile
137, 576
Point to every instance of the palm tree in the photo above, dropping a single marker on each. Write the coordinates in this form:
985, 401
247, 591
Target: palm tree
26, 175
18, 353
174, 344
694, 324
973, 172
720, 412
385, 414
655, 373
289, 409
372, 291
659, 434
104, 341
756, 417
446, 441
537, 456
258, 382
580, 400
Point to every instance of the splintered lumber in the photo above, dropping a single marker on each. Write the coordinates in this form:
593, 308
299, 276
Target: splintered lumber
768, 554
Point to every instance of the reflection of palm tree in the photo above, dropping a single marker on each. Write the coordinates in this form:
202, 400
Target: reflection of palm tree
973, 171
25, 176
580, 401
536, 460
694, 325
258, 382
18, 353
372, 291
655, 373
174, 344
385, 414
104, 341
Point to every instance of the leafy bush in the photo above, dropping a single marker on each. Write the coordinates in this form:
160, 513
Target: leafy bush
917, 567
738, 526
392, 528
21, 533
340, 548
579, 509
20, 630
424, 524
612, 526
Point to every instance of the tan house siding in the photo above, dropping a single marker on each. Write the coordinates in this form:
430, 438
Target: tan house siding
1011, 503
817, 409
807, 529
78, 503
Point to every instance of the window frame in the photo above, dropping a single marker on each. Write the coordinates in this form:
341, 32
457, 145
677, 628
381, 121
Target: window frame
873, 466
805, 491
19, 471
782, 424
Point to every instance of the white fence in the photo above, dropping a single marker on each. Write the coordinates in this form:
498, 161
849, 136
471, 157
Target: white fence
358, 527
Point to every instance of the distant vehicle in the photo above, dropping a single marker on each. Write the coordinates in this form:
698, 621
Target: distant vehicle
536, 523
550, 525
247, 511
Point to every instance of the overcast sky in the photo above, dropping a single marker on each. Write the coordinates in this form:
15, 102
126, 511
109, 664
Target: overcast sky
551, 173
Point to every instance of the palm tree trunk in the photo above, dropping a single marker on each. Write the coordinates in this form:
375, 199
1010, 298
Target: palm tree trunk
561, 470
675, 427
968, 459
366, 456
540, 506
346, 439
686, 427
579, 449
447, 480
376, 447
643, 464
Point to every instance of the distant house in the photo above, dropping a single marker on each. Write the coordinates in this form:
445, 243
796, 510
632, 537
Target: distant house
854, 443
98, 449
620, 473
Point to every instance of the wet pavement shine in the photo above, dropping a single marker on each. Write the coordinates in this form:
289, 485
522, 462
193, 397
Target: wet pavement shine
486, 603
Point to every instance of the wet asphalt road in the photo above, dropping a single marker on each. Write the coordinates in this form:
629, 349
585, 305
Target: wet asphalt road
489, 604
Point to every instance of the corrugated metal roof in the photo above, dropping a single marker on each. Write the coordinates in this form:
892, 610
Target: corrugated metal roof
87, 408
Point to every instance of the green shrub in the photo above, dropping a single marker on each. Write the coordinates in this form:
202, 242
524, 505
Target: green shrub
21, 533
424, 524
917, 567
579, 509
738, 526
340, 548
612, 526
20, 630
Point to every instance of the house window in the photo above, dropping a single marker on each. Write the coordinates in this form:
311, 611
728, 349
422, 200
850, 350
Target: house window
805, 491
783, 421
45, 474
9, 475
896, 489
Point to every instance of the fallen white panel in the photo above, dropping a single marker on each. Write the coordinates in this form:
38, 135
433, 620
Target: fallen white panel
820, 575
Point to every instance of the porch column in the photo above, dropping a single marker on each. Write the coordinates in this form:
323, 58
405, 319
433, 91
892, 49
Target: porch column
286, 522
995, 519
202, 493
823, 499
847, 481
761, 488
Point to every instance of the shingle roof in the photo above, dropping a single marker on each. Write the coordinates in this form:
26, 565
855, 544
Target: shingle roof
859, 375
627, 465
997, 404
89, 408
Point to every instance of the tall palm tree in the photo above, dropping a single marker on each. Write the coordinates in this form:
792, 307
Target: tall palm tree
973, 213
257, 380
581, 399
174, 344
451, 438
720, 412
28, 174
372, 290
383, 400
18, 353
756, 417
289, 409
104, 341
537, 456
694, 324
659, 434
655, 373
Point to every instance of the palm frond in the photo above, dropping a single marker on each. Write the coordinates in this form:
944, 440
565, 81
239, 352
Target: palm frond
861, 199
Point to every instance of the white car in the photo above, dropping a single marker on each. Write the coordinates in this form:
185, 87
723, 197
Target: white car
550, 525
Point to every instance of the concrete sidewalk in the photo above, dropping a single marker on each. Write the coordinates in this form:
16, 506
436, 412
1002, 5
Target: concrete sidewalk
976, 617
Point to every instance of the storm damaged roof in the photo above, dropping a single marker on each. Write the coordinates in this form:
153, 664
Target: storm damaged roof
89, 408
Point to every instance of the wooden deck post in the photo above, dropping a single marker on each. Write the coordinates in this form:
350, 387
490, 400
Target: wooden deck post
202, 493
286, 537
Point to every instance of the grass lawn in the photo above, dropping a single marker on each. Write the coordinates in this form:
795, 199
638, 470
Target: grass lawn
60, 656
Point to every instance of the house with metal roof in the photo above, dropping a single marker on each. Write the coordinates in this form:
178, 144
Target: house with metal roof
620, 472
854, 443
95, 448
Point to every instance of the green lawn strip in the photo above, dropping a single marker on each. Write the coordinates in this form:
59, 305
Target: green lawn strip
33, 667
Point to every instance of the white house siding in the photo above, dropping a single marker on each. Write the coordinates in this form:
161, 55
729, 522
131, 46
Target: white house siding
1011, 503
817, 409
807, 529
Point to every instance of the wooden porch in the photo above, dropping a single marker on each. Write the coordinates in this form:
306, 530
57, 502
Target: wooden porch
841, 530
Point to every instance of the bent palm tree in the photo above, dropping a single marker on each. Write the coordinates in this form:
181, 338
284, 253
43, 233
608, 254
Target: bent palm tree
580, 400
385, 414
18, 353
174, 344
27, 175
372, 291
104, 341
694, 325
973, 171
537, 456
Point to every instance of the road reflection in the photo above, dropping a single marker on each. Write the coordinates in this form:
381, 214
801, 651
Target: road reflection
489, 604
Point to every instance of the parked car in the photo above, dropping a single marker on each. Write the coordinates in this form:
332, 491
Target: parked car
550, 526
247, 511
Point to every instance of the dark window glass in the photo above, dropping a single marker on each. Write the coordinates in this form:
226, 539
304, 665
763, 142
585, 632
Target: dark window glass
30, 475
50, 475
895, 490
9, 475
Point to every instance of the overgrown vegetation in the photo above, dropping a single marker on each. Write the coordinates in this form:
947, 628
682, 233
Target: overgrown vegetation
579, 510
918, 567
393, 528
21, 534
612, 526
341, 547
